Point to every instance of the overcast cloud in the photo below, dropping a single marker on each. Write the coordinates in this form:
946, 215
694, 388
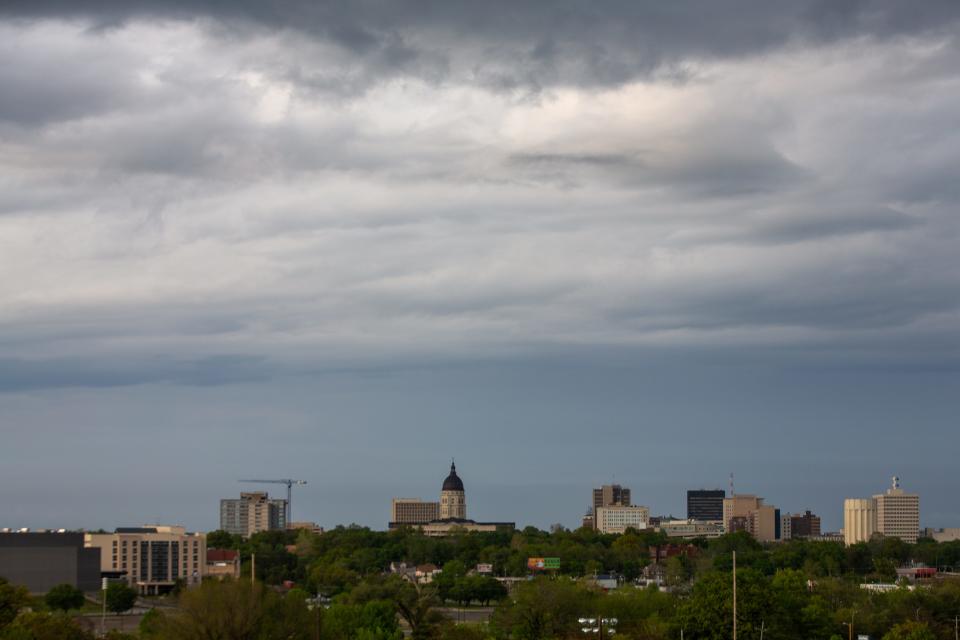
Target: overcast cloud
261, 212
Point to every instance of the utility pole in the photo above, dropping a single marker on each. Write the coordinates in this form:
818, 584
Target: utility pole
253, 567
735, 589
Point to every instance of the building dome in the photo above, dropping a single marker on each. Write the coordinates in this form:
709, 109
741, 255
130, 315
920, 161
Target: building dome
453, 481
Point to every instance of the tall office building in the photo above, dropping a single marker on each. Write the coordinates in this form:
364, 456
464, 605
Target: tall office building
743, 512
898, 513
611, 494
806, 525
413, 511
859, 520
152, 559
894, 513
252, 513
705, 504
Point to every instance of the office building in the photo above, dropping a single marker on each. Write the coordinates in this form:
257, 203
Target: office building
859, 520
806, 525
42, 560
611, 494
705, 504
152, 558
413, 511
744, 512
252, 513
786, 532
619, 518
898, 513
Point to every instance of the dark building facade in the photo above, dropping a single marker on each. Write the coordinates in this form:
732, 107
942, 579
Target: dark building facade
40, 561
805, 526
705, 504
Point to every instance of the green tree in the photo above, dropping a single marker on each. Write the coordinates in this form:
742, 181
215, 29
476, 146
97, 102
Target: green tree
13, 598
910, 631
64, 597
220, 539
120, 598
544, 608
151, 624
43, 626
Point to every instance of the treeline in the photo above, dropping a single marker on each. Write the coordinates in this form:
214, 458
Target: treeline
335, 561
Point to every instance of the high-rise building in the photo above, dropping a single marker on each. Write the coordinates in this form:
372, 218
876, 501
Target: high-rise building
453, 499
806, 525
743, 512
619, 518
898, 513
610, 495
413, 511
785, 530
152, 558
252, 513
859, 520
894, 514
705, 504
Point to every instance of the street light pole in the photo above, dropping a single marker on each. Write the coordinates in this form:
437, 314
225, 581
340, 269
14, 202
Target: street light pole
103, 614
735, 595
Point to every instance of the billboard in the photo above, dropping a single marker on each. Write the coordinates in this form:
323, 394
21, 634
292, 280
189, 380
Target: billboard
541, 564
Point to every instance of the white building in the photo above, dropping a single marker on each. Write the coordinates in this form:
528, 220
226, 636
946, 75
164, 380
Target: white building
859, 520
786, 527
691, 528
898, 513
618, 518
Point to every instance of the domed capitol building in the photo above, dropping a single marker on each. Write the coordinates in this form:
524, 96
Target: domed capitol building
443, 517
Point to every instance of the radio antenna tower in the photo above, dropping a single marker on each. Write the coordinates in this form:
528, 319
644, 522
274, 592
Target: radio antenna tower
731, 485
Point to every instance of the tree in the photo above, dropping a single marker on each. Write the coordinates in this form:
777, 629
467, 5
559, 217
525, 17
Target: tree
910, 631
544, 608
220, 539
13, 598
151, 624
64, 597
120, 598
43, 626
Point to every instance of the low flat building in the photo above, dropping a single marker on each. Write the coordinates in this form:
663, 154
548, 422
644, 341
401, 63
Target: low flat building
691, 529
312, 527
942, 535
152, 558
223, 563
42, 560
442, 528
619, 518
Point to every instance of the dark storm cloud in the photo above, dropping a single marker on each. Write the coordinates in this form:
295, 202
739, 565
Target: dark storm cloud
508, 45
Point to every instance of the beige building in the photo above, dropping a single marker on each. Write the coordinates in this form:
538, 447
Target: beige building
152, 558
942, 535
413, 511
441, 528
252, 513
453, 499
744, 512
312, 527
691, 529
898, 513
859, 520
619, 518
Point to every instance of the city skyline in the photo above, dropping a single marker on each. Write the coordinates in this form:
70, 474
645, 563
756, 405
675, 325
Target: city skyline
636, 242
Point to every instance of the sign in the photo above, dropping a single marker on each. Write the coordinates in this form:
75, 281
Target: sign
541, 564
484, 568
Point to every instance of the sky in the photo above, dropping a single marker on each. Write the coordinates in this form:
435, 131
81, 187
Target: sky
566, 244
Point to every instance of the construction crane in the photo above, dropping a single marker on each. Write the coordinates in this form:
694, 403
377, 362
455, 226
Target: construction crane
289, 483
